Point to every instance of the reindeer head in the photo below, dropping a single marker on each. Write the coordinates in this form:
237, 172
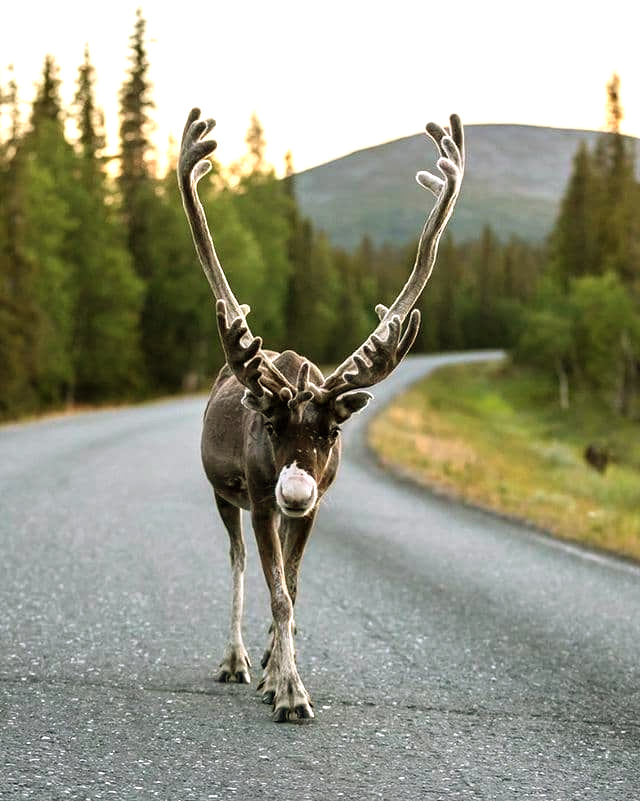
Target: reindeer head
296, 415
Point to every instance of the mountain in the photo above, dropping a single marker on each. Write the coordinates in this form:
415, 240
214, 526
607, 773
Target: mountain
514, 181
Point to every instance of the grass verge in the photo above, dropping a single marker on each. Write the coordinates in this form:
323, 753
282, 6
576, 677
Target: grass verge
496, 437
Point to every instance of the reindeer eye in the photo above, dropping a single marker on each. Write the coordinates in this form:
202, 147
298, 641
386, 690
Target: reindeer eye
270, 428
333, 434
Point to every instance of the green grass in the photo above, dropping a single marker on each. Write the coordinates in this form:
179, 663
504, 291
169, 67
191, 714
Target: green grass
496, 437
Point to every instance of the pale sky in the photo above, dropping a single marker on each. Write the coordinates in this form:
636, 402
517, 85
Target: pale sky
327, 78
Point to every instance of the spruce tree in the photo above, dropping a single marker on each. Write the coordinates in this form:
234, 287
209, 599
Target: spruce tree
297, 308
445, 287
265, 206
573, 240
90, 118
13, 374
136, 103
47, 105
355, 298
17, 298
619, 240
619, 197
139, 202
135, 180
482, 331
108, 292
45, 194
182, 344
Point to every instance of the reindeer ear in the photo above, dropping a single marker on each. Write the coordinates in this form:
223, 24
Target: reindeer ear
350, 403
255, 404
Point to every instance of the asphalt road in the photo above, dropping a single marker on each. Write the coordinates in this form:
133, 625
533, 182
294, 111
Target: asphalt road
449, 654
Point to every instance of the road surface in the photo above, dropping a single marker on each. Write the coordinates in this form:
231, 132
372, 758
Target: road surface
450, 654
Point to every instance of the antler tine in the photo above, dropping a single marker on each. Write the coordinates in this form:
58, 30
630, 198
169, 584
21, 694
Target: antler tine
246, 359
303, 393
386, 346
249, 362
243, 360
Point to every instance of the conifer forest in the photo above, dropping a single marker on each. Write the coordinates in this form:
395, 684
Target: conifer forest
102, 298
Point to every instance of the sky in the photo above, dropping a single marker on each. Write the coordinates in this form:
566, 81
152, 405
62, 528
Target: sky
329, 78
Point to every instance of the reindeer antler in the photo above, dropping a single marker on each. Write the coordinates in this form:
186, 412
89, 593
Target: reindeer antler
385, 348
250, 364
243, 360
387, 345
375, 359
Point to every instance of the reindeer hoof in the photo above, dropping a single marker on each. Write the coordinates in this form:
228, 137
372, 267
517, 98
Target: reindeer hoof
292, 703
304, 712
268, 697
284, 714
288, 706
234, 668
227, 677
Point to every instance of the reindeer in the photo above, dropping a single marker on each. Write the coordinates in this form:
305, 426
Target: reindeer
271, 433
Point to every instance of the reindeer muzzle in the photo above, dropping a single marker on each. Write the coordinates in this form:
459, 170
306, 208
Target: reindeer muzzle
296, 491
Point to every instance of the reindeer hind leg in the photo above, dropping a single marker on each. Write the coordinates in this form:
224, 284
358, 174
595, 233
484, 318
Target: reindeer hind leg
235, 663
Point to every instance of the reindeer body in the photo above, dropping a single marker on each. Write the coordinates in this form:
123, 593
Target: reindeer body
271, 435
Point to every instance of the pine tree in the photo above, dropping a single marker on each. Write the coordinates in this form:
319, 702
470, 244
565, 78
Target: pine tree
619, 207
44, 188
445, 286
90, 118
181, 340
136, 103
573, 240
354, 301
12, 323
139, 200
619, 237
263, 207
47, 106
299, 235
108, 293
522, 265
482, 330
297, 305
135, 180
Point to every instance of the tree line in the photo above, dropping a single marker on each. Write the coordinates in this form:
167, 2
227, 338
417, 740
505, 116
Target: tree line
102, 298
583, 323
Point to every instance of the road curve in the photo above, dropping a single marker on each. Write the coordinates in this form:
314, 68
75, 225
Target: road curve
450, 654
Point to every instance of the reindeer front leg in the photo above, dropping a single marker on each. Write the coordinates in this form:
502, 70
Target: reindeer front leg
294, 534
281, 684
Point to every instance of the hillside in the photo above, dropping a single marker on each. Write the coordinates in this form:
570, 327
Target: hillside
515, 178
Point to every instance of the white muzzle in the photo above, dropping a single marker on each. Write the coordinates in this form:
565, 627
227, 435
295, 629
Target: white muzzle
296, 491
